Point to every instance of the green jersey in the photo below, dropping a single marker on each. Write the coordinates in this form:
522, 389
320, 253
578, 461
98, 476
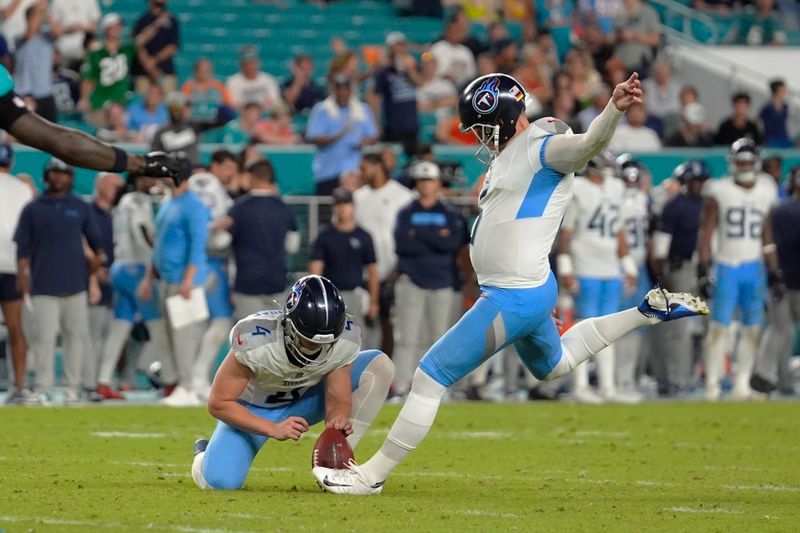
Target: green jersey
111, 74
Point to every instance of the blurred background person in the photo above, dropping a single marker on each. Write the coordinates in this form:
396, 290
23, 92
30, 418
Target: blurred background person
300, 91
428, 235
14, 195
147, 116
54, 273
263, 231
738, 124
343, 253
157, 36
250, 84
72, 20
204, 92
33, 62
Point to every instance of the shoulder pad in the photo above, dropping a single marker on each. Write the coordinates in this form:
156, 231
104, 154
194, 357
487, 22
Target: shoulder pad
254, 331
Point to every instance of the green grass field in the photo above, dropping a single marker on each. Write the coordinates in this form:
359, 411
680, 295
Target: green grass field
483, 467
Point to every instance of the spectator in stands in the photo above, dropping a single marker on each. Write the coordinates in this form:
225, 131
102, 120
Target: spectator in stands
634, 136
428, 235
340, 126
565, 107
225, 166
774, 116
182, 133
688, 95
14, 195
205, 93
252, 85
505, 52
434, 94
638, 32
179, 258
33, 61
106, 189
756, 26
720, 7
264, 231
393, 95
662, 91
773, 167
116, 126
448, 131
146, 116
53, 271
585, 78
71, 20
157, 35
615, 72
546, 43
106, 72
66, 87
343, 253
377, 203
738, 124
463, 28
600, 13
6, 58
454, 60
300, 91
278, 130
485, 65
14, 20
532, 73
598, 45
693, 132
600, 100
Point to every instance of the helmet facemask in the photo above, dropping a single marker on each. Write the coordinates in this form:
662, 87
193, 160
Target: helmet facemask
745, 176
488, 136
305, 356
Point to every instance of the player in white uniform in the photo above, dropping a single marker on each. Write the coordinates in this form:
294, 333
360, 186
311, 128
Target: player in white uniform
132, 220
215, 197
528, 187
736, 207
286, 371
636, 222
593, 252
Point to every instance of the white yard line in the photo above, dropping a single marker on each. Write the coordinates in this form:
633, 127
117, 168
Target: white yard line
100, 525
692, 510
479, 512
127, 435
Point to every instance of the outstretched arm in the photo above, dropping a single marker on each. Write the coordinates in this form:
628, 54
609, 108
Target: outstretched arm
568, 154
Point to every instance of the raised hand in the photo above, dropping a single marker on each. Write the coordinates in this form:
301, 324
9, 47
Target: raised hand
628, 92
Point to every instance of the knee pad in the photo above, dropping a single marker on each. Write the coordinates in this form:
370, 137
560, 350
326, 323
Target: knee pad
217, 479
382, 368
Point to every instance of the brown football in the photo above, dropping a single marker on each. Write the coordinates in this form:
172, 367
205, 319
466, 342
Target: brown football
331, 450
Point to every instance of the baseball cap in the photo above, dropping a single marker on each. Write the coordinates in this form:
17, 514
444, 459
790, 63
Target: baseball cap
6, 155
176, 99
57, 165
341, 196
395, 37
694, 114
247, 52
108, 20
425, 170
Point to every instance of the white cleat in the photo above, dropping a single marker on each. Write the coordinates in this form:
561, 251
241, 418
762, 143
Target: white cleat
586, 395
350, 481
181, 397
665, 306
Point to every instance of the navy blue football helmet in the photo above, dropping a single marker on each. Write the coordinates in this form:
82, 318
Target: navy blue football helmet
745, 152
490, 107
630, 170
314, 311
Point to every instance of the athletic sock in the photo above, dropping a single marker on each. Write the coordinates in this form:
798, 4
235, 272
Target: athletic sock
411, 426
369, 396
714, 357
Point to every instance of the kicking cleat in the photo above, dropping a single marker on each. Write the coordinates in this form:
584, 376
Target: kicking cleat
350, 481
666, 306
200, 446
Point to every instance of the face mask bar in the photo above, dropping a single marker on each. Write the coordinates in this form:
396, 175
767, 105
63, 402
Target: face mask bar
304, 356
484, 132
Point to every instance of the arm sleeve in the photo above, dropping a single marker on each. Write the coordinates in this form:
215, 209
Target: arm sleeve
317, 125
569, 153
569, 218
198, 219
22, 235
318, 252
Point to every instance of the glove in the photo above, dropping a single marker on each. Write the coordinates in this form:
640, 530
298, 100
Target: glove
777, 285
161, 165
705, 283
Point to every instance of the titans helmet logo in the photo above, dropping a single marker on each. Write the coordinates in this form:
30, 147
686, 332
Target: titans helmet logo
486, 97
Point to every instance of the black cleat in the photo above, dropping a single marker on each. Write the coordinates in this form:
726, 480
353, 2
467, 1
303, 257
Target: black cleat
760, 384
200, 445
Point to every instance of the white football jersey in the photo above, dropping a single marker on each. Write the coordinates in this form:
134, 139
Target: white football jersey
213, 194
595, 218
258, 343
635, 219
522, 203
740, 219
133, 215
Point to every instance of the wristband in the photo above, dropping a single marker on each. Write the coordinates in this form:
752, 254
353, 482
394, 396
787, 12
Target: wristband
564, 265
629, 266
120, 160
770, 248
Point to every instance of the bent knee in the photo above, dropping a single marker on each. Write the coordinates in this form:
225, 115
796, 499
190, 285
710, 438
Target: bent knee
383, 366
220, 480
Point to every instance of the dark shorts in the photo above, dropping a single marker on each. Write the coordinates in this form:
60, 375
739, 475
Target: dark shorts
8, 288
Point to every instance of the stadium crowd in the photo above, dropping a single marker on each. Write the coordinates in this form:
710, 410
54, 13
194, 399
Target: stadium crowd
394, 243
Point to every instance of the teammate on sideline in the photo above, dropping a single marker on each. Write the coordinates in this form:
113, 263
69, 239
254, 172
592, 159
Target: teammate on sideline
72, 146
736, 207
286, 371
593, 255
528, 187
